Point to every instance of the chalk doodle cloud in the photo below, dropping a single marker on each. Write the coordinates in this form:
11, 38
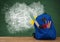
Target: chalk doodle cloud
18, 16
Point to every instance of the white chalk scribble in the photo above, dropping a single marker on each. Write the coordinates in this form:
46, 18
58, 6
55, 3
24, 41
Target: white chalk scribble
18, 16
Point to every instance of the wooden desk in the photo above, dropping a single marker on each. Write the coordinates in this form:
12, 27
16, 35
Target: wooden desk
25, 39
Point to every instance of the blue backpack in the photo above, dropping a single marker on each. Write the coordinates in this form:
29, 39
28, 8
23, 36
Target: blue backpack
44, 33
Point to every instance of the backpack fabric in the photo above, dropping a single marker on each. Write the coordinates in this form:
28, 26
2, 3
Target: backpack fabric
44, 33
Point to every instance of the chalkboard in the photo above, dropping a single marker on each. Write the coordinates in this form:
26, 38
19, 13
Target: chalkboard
50, 6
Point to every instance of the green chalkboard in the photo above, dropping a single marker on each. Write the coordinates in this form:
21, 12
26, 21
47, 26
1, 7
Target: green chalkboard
51, 7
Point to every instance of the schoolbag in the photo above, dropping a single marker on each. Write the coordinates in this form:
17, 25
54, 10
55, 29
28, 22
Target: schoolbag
42, 32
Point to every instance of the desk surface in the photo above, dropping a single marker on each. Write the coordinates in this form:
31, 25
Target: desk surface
25, 39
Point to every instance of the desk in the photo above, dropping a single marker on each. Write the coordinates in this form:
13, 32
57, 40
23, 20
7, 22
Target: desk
25, 39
